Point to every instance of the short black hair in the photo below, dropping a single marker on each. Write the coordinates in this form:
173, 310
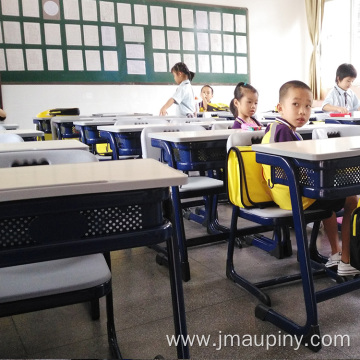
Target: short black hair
345, 70
292, 84
207, 85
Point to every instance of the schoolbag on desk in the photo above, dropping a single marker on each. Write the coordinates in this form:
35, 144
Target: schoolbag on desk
355, 238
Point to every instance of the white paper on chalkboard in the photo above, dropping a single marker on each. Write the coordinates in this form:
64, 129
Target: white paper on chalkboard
75, 60
190, 61
203, 41
216, 64
1, 36
52, 34
215, 21
91, 35
34, 60
172, 17
92, 59
187, 18
241, 64
229, 64
201, 20
240, 22
215, 42
2, 60
160, 62
108, 36
141, 14
124, 13
71, 9
173, 59
55, 60
89, 10
32, 33
12, 33
51, 9
241, 45
107, 11
157, 15
188, 41
30, 8
110, 61
73, 34
135, 51
228, 22
204, 63
173, 38
134, 34
136, 67
229, 45
10, 7
15, 59
158, 39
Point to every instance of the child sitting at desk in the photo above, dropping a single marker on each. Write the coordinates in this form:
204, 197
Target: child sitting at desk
2, 115
295, 100
341, 99
244, 105
184, 95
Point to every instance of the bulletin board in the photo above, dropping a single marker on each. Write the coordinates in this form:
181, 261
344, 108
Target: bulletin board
113, 41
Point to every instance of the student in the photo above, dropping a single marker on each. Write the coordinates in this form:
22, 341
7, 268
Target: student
2, 115
184, 95
243, 106
206, 93
295, 100
341, 99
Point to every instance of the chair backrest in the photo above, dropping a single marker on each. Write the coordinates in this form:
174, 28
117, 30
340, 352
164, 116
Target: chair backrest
139, 121
222, 125
148, 151
10, 138
52, 157
244, 138
336, 131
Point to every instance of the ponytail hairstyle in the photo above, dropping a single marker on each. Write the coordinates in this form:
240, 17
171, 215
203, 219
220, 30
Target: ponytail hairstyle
181, 67
233, 108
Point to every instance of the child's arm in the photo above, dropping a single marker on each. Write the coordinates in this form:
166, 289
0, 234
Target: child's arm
332, 108
205, 103
166, 106
2, 114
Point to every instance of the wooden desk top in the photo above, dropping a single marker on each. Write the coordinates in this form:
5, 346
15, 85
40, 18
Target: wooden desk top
23, 132
30, 182
314, 150
43, 145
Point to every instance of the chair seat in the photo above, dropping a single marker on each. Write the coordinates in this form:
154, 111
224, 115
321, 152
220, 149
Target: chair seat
201, 183
52, 277
276, 212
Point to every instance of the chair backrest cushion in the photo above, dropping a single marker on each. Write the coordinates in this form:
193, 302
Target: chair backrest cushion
245, 182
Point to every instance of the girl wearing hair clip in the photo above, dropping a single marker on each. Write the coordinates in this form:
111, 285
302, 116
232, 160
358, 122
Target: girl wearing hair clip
243, 106
184, 95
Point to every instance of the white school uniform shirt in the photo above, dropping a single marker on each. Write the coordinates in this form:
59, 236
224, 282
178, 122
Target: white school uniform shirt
184, 98
336, 97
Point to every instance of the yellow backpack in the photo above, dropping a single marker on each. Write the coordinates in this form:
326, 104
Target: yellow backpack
247, 187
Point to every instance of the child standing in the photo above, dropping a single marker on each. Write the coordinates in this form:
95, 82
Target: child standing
184, 95
244, 105
294, 107
341, 98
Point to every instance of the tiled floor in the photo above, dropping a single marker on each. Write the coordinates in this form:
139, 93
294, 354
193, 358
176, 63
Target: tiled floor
215, 306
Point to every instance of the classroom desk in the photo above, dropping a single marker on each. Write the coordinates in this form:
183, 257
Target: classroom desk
26, 134
342, 120
107, 198
10, 126
325, 168
203, 151
216, 114
43, 146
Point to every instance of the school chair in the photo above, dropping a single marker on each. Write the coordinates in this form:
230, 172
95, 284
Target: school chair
206, 187
180, 121
250, 198
10, 138
336, 131
222, 125
44, 285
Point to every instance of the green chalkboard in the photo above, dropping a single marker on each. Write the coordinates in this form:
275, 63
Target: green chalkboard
92, 41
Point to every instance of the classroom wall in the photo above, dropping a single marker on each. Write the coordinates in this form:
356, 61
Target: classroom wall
280, 50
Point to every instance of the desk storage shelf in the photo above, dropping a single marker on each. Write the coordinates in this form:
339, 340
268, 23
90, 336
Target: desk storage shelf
324, 178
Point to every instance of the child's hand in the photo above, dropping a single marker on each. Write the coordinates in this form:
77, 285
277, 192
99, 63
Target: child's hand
342, 110
163, 111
